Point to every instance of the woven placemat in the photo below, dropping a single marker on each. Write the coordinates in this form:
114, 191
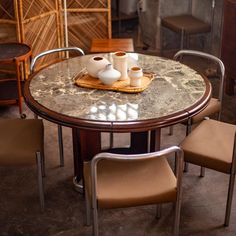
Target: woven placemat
86, 81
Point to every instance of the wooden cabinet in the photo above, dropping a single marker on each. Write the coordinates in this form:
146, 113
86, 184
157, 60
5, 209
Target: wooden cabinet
228, 47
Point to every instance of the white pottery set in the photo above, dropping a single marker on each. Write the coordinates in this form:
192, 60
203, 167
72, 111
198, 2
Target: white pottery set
99, 67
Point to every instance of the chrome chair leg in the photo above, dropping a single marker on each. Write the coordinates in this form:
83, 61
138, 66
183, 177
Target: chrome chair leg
158, 211
43, 165
186, 165
88, 209
171, 130
60, 140
111, 140
202, 171
95, 221
229, 199
40, 179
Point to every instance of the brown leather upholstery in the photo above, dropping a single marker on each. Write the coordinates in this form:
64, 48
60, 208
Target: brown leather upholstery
210, 145
19, 141
122, 184
188, 23
213, 107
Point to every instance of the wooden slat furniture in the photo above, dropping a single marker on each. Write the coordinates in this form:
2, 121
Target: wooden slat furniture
14, 56
228, 46
112, 45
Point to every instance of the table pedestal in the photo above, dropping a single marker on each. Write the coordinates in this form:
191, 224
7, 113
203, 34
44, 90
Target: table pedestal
87, 143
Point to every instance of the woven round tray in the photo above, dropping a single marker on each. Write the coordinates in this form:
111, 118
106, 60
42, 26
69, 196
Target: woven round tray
86, 81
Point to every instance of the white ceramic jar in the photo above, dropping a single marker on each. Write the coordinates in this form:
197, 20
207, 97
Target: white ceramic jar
120, 60
109, 75
95, 64
135, 75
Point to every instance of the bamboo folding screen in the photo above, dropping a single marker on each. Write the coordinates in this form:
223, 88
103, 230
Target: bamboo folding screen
87, 20
40, 23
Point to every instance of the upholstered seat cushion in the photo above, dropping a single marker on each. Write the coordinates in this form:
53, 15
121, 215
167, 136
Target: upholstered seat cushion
122, 184
210, 145
19, 141
188, 23
213, 107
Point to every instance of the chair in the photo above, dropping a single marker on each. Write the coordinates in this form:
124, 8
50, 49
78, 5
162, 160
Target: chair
32, 66
215, 104
109, 177
212, 144
21, 141
187, 24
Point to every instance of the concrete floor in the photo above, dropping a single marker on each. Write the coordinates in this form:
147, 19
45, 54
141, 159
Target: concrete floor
203, 204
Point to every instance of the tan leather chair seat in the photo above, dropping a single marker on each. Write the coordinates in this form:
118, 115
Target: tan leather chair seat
140, 183
210, 145
17, 144
188, 23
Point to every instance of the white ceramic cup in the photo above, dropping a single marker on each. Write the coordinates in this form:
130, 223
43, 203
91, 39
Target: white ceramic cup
135, 75
120, 63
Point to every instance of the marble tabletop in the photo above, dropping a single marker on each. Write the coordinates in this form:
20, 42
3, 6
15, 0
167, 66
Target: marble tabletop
175, 89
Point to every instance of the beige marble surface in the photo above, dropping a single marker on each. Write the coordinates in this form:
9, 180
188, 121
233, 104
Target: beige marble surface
175, 88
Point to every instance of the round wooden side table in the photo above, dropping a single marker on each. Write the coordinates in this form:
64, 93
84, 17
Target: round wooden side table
14, 63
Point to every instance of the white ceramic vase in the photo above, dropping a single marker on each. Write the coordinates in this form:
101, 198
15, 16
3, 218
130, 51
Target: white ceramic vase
135, 75
95, 64
109, 75
120, 60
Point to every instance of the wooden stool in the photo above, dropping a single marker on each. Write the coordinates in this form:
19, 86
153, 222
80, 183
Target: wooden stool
112, 45
14, 56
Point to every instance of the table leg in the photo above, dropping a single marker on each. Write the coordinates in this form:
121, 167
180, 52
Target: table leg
155, 141
86, 144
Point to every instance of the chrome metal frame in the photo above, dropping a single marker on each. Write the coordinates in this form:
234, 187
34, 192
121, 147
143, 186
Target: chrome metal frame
32, 66
231, 185
221, 67
40, 171
122, 158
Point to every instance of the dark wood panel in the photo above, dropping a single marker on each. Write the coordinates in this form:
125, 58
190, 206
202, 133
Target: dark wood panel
228, 47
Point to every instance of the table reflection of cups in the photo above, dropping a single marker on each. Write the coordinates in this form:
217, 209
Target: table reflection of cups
135, 75
120, 63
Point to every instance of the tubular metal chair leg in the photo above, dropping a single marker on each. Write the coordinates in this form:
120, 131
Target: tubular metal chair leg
177, 218
158, 211
40, 179
60, 140
229, 199
202, 172
182, 40
186, 165
43, 165
95, 221
111, 140
88, 209
171, 129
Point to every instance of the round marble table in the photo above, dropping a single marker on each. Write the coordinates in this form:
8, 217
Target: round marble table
176, 93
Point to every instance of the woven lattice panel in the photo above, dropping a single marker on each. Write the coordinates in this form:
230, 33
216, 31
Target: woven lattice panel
41, 34
86, 4
82, 27
7, 9
40, 27
31, 8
